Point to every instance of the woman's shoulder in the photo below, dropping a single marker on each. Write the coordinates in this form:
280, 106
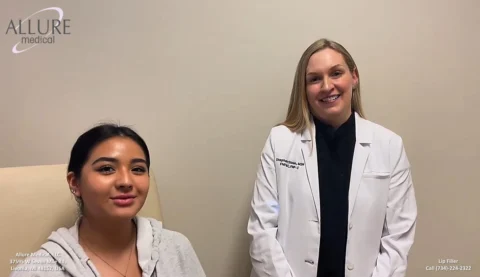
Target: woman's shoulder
174, 251
281, 130
282, 135
385, 140
175, 239
179, 256
54, 258
383, 133
165, 237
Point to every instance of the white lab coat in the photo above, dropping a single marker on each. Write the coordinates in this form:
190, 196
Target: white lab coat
285, 218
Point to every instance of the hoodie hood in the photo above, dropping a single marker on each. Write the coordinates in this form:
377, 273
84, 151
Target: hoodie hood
63, 246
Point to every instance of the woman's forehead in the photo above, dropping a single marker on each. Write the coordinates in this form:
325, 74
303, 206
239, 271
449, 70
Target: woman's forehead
117, 147
325, 59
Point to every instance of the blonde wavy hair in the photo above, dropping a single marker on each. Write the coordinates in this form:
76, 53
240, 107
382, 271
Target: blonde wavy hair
298, 115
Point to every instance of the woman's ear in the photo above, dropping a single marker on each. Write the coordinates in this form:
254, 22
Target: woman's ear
355, 77
73, 184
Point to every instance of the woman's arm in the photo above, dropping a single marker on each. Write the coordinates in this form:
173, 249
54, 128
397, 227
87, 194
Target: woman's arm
266, 253
400, 221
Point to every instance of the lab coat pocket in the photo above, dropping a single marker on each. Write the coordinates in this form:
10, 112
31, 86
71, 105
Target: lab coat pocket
373, 194
376, 182
376, 175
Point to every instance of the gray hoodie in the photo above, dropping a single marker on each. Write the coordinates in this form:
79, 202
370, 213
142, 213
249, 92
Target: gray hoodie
160, 253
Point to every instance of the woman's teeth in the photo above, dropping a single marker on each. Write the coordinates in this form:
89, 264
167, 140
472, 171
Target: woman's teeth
330, 99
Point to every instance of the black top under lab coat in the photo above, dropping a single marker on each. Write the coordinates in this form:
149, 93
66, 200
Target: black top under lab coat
335, 154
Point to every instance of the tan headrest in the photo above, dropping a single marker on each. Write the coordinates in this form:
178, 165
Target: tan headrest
36, 201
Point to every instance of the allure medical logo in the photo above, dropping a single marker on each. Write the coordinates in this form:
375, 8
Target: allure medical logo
41, 27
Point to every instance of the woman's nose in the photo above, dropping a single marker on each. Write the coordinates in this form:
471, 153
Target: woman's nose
327, 84
124, 178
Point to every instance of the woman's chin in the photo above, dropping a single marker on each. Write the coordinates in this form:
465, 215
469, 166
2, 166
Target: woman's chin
124, 213
332, 111
332, 114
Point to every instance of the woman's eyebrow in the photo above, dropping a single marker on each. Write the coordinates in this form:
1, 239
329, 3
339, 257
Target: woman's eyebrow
114, 160
333, 67
105, 159
138, 160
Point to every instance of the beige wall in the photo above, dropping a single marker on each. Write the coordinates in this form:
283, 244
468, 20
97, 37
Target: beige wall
203, 82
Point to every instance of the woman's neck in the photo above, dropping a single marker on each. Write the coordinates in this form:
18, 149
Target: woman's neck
107, 235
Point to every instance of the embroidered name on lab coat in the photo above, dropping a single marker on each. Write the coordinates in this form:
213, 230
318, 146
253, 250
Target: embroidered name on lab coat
289, 164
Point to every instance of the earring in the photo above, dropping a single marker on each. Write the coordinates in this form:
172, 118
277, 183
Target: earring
73, 191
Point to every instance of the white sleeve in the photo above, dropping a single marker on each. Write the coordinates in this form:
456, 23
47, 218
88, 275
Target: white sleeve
401, 216
266, 253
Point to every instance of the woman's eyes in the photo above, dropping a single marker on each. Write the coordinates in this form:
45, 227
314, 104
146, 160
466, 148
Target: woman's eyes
335, 74
109, 169
139, 169
105, 169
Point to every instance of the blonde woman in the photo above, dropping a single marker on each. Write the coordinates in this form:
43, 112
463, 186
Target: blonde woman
333, 195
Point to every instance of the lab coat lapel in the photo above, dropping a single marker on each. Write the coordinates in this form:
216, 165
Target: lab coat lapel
309, 152
363, 134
